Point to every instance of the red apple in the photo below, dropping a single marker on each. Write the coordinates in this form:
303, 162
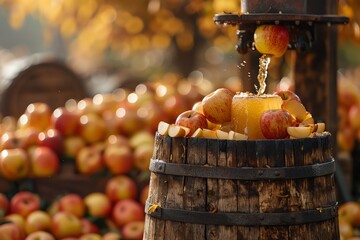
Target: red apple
38, 115
65, 225
72, 203
118, 159
271, 39
121, 187
92, 128
133, 230
191, 119
51, 138
274, 123
216, 106
97, 204
287, 95
65, 121
89, 160
4, 205
14, 163
88, 227
24, 203
9, 140
28, 136
11, 231
127, 121
40, 235
37, 221
126, 211
44, 161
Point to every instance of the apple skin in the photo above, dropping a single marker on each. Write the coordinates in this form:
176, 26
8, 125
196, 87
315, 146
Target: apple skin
24, 203
44, 161
40, 235
144, 194
142, 156
112, 236
118, 159
72, 203
65, 225
271, 39
92, 128
216, 106
128, 210
4, 205
72, 146
287, 95
17, 219
14, 163
38, 115
274, 123
133, 230
37, 221
88, 227
11, 231
121, 187
354, 116
350, 212
192, 120
10, 140
51, 138
65, 121
97, 204
89, 160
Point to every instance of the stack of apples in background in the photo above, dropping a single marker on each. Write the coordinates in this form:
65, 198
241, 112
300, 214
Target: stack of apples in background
107, 136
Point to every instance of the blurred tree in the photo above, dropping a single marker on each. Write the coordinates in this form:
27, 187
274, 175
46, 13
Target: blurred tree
123, 29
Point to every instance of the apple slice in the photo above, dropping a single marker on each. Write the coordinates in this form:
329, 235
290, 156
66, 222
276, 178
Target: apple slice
222, 134
296, 109
177, 131
308, 119
198, 133
237, 136
320, 127
300, 131
207, 133
163, 128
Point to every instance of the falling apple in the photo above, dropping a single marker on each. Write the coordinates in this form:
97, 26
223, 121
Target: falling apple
271, 39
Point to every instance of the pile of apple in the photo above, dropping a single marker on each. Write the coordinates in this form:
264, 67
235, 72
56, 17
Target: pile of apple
73, 217
211, 118
111, 134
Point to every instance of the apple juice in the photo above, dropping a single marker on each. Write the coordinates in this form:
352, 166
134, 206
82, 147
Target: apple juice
246, 112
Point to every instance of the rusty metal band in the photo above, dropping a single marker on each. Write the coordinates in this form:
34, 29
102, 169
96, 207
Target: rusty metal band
242, 173
243, 219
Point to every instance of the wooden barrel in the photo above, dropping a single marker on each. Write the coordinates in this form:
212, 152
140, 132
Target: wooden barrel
227, 189
38, 79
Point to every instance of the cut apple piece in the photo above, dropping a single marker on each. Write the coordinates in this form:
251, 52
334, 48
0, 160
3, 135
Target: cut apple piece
308, 119
320, 127
207, 133
300, 131
163, 128
240, 136
177, 131
222, 134
198, 133
296, 109
237, 136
